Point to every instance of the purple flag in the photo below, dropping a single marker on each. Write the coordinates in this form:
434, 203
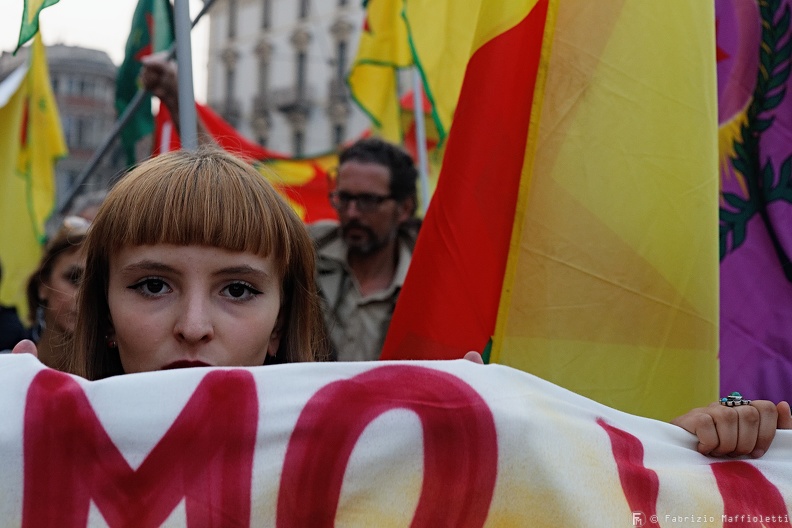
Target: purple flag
754, 45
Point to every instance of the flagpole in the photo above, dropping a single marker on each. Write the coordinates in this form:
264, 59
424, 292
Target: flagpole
188, 122
120, 123
420, 138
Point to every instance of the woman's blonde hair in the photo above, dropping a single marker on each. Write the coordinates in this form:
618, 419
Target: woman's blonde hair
207, 198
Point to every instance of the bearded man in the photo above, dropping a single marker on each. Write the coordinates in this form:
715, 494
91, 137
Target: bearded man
363, 258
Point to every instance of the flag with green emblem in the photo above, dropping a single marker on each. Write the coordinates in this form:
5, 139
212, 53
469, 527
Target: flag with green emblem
31, 141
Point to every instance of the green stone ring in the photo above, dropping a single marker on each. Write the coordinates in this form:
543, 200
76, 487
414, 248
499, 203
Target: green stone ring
734, 399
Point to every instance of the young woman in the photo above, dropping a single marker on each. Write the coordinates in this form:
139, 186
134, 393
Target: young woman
194, 260
52, 292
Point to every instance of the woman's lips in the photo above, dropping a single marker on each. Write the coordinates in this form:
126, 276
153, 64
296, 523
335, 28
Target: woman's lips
185, 364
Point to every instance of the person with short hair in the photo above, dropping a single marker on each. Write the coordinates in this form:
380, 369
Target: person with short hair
195, 260
364, 256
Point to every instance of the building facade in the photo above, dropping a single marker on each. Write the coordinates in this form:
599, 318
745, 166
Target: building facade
277, 71
83, 81
84, 84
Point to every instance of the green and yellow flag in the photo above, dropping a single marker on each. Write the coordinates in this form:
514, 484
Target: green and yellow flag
152, 31
382, 51
31, 141
30, 19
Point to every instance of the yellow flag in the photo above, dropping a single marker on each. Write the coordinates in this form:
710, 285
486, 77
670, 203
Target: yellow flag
373, 79
611, 288
31, 141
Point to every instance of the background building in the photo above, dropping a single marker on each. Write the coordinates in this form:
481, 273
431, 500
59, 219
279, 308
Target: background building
83, 81
277, 71
84, 85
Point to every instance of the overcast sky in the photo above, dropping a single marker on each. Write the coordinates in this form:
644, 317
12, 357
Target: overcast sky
97, 24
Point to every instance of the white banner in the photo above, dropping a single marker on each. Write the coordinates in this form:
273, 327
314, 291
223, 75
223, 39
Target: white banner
357, 444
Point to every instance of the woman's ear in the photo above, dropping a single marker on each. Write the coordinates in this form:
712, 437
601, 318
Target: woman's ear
43, 293
275, 336
110, 339
406, 209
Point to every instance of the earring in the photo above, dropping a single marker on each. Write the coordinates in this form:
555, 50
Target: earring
40, 325
111, 343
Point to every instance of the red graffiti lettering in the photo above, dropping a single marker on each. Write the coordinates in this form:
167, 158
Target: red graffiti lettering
460, 446
749, 499
205, 458
639, 483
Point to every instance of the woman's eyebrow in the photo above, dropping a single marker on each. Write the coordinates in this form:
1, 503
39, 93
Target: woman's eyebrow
243, 270
147, 265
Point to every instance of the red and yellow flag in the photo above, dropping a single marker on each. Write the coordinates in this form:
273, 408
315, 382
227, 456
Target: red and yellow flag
304, 182
574, 224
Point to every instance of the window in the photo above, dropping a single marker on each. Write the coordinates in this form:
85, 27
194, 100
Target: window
88, 89
341, 53
266, 15
298, 139
338, 135
80, 139
229, 89
232, 18
68, 134
301, 65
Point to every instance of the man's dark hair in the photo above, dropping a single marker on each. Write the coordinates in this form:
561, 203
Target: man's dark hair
402, 168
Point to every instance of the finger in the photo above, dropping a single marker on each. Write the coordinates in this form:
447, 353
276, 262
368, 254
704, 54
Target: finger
748, 420
475, 357
768, 420
784, 416
701, 423
25, 347
727, 425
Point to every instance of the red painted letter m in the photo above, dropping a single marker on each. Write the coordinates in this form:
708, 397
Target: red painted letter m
205, 458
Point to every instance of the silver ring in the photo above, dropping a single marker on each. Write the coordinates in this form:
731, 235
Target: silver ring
734, 399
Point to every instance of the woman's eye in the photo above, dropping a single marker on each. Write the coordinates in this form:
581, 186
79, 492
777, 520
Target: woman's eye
151, 287
240, 290
155, 286
75, 276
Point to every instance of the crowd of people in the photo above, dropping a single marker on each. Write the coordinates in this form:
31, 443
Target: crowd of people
193, 259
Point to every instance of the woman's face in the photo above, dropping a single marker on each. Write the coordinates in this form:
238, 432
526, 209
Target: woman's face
181, 306
59, 292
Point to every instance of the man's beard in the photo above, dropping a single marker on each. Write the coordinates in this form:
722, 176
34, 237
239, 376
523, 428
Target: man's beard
367, 244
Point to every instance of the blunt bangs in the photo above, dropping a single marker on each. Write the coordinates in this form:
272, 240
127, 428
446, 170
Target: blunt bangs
206, 198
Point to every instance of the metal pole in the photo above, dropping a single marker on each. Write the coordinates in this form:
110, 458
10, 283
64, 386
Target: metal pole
420, 137
103, 149
188, 121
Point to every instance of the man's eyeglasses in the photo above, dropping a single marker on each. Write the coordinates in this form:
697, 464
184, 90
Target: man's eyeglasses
365, 202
